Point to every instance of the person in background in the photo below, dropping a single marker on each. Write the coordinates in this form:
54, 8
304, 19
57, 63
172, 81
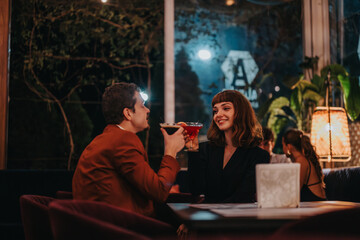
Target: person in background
224, 167
298, 147
114, 167
268, 145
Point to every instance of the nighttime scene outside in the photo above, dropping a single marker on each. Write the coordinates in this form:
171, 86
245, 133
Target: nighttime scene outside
265, 139
64, 54
60, 68
248, 47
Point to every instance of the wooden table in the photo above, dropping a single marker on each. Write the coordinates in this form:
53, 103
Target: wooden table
248, 217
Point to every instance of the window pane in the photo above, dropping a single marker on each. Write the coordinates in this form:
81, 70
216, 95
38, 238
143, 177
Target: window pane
249, 45
344, 34
63, 55
345, 50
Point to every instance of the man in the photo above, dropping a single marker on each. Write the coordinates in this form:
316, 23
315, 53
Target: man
268, 145
114, 167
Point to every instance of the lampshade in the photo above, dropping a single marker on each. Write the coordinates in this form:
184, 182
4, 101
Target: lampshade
338, 129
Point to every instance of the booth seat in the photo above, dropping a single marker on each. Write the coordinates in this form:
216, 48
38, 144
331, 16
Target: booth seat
341, 183
14, 183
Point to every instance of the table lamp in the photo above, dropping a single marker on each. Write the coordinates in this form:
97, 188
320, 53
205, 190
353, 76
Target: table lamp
330, 132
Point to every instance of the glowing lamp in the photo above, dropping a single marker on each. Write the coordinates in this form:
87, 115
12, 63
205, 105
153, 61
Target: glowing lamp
330, 134
144, 96
230, 2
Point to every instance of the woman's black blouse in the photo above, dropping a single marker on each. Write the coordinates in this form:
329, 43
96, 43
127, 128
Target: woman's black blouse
235, 183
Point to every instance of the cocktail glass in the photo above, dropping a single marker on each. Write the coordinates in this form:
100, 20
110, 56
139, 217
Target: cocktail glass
192, 129
170, 128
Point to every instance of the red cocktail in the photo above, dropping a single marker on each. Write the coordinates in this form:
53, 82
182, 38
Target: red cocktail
192, 129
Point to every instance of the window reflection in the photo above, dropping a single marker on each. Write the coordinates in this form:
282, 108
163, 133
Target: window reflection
345, 35
345, 50
253, 46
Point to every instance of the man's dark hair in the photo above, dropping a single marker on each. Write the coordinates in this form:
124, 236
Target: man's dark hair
117, 97
268, 134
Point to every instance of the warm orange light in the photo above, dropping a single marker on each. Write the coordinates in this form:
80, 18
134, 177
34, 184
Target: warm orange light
230, 2
338, 126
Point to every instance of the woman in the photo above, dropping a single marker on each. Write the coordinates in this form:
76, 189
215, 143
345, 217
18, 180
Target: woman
268, 144
298, 147
224, 168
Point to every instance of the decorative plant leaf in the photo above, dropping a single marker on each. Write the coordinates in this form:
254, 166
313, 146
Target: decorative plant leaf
335, 71
281, 124
279, 120
296, 100
345, 83
280, 115
263, 110
278, 103
312, 96
289, 113
319, 82
351, 92
291, 81
305, 85
274, 116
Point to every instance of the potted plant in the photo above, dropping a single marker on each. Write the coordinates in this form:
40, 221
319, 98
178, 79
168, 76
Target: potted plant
296, 111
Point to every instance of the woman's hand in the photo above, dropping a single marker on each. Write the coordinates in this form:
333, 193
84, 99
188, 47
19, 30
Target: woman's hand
195, 142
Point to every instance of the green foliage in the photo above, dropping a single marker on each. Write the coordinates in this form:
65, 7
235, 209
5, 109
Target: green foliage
71, 40
306, 95
349, 86
351, 96
66, 52
295, 110
278, 115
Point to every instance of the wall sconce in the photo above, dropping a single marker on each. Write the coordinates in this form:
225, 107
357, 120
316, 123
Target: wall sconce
330, 134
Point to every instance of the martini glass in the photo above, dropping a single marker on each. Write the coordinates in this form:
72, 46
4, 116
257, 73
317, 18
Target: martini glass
170, 128
192, 129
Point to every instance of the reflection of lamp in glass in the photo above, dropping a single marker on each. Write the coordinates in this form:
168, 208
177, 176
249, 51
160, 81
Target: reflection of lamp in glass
230, 2
331, 138
330, 132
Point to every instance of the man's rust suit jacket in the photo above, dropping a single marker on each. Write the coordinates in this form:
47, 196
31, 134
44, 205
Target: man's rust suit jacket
114, 168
